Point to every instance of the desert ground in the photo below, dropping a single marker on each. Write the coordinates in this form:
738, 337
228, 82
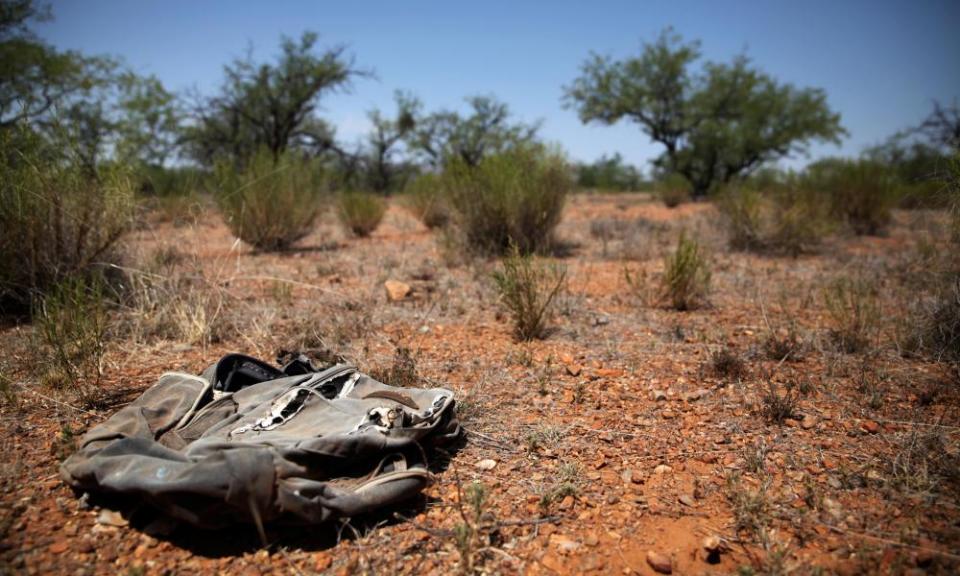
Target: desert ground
734, 437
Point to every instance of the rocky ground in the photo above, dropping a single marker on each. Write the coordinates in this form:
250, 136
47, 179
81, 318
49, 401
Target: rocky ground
634, 439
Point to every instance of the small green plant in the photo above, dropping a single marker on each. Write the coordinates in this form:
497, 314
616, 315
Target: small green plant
71, 321
528, 288
853, 305
270, 203
567, 482
426, 199
360, 212
686, 278
472, 535
511, 199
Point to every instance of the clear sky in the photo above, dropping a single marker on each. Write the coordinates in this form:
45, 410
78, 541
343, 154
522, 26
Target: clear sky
881, 62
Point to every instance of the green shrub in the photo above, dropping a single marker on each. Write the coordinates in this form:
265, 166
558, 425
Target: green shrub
56, 220
514, 198
360, 212
426, 200
787, 218
528, 288
799, 221
72, 323
853, 305
673, 190
686, 278
270, 203
743, 209
862, 192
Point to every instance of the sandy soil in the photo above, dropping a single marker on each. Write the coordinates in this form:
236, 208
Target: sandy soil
617, 417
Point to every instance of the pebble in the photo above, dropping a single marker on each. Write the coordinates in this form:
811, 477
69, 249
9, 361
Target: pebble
808, 422
111, 518
659, 562
870, 426
487, 464
658, 395
396, 290
662, 469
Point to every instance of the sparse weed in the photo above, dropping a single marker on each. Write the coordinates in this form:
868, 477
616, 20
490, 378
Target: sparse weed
923, 460
72, 324
752, 509
528, 288
743, 208
360, 212
566, 483
862, 192
853, 305
686, 278
402, 372
776, 407
543, 437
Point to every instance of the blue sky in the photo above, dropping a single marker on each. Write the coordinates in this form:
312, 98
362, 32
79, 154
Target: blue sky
881, 62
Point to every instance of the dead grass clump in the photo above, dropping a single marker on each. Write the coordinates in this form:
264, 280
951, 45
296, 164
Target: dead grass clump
567, 482
854, 307
360, 212
528, 289
726, 363
72, 322
686, 278
924, 459
743, 209
752, 510
777, 406
271, 202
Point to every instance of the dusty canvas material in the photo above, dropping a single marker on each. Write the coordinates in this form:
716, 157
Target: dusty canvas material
248, 442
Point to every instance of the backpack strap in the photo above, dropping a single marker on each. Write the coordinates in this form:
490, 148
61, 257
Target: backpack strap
237, 371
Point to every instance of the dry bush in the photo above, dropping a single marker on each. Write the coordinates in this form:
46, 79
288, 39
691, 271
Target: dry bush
743, 209
777, 406
56, 220
271, 202
686, 277
514, 198
528, 288
426, 199
172, 296
853, 305
726, 363
71, 322
924, 460
673, 190
360, 212
402, 372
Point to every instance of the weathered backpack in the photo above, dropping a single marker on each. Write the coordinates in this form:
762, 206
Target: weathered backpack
246, 441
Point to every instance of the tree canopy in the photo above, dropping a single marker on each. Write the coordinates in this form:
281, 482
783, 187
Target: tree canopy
715, 124
488, 129
272, 105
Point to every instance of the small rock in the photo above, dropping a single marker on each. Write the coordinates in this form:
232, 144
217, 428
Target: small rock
662, 469
59, 547
566, 503
791, 423
870, 426
668, 415
487, 464
659, 562
808, 422
396, 290
713, 546
609, 372
658, 395
687, 500
574, 369
111, 518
